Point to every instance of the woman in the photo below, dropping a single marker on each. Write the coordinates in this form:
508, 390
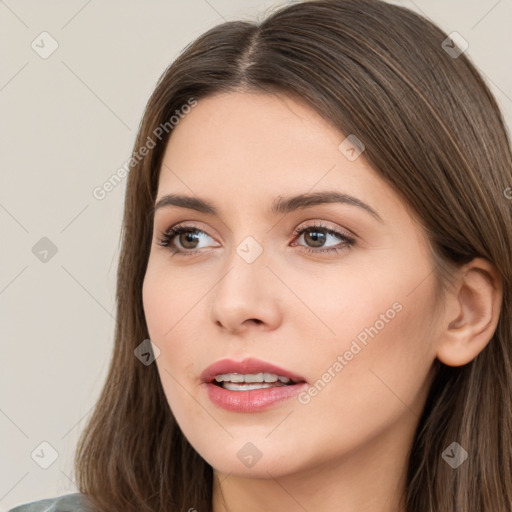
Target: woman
314, 289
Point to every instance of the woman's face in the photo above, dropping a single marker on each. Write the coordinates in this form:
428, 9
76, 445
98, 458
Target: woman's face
353, 328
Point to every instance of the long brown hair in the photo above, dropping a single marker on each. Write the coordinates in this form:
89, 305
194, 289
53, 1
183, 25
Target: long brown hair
434, 132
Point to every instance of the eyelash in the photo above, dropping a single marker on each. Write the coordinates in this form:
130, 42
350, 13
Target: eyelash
167, 237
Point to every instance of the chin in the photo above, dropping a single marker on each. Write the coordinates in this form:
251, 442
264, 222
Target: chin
252, 459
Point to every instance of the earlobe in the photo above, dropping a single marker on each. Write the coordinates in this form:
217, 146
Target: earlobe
473, 313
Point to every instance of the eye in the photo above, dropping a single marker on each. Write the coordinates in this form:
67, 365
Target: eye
318, 234
187, 237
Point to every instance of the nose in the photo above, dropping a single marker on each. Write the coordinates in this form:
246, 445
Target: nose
247, 296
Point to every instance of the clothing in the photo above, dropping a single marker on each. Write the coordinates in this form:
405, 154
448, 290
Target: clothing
76, 502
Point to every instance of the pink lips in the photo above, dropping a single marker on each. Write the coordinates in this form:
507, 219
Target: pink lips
252, 400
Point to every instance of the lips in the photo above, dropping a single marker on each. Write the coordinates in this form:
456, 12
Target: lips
247, 366
260, 389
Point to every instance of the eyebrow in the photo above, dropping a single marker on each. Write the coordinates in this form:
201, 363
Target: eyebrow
279, 205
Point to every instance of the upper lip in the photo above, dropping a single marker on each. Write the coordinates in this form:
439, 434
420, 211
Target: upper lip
246, 366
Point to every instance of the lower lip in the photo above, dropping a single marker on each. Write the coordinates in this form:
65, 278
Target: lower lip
254, 400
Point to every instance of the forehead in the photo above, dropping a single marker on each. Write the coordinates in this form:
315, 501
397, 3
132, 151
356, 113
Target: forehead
255, 137
254, 122
242, 149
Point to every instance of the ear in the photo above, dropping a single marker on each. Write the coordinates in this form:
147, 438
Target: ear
472, 312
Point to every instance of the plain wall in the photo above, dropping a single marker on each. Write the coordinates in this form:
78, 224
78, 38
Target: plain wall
68, 122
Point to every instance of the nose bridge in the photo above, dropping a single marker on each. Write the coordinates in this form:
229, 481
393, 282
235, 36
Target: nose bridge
246, 268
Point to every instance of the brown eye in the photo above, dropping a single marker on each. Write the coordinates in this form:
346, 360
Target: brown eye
185, 238
316, 236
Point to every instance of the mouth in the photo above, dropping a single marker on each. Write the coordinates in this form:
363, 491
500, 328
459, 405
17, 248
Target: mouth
249, 385
249, 372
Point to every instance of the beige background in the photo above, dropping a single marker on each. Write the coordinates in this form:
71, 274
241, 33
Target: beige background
68, 123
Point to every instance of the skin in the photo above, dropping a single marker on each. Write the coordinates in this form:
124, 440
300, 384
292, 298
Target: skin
347, 448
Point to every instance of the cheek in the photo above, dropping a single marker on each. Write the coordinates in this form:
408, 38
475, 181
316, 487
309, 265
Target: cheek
381, 355
171, 306
338, 306
163, 310
376, 332
169, 297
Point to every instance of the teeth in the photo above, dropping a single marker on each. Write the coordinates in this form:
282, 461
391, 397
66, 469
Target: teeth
251, 377
256, 377
247, 387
